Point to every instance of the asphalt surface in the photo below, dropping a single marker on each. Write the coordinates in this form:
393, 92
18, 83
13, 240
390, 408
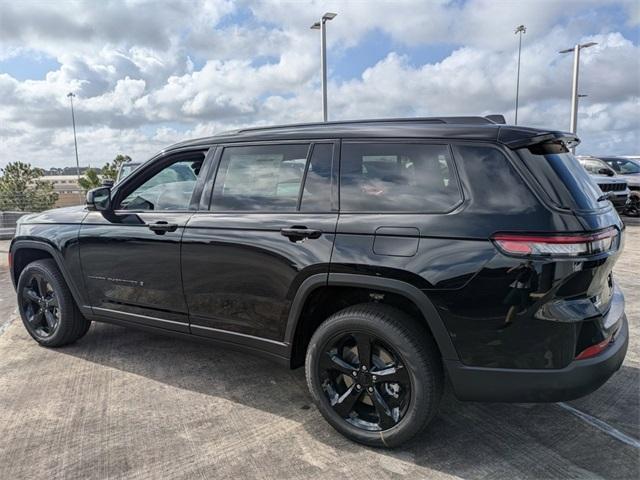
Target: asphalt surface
7, 301
126, 404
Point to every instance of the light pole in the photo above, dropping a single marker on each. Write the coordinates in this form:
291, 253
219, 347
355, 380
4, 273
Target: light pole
580, 95
71, 95
574, 90
520, 30
322, 26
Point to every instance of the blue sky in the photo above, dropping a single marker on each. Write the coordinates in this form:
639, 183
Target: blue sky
149, 74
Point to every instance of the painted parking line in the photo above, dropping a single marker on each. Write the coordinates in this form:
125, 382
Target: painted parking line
602, 426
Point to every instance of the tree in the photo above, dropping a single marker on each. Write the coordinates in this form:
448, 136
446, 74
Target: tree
22, 190
110, 170
93, 178
90, 180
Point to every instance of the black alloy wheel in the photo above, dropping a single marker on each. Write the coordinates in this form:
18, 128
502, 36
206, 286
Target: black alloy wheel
365, 381
375, 373
48, 310
40, 305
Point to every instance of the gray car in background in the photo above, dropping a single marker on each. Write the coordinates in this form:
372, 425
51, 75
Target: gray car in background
614, 187
629, 169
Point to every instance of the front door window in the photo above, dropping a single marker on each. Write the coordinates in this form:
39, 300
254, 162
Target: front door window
169, 189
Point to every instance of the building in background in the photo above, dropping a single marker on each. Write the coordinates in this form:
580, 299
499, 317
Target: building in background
67, 188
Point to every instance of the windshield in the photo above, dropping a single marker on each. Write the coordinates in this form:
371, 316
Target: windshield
595, 166
623, 166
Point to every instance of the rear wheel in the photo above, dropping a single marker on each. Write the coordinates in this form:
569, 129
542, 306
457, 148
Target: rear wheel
375, 374
46, 306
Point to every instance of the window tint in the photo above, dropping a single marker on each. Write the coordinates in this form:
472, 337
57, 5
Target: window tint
169, 189
316, 196
264, 177
385, 177
495, 186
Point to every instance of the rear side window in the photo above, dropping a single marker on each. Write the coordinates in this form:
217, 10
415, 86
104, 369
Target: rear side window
566, 183
262, 177
397, 177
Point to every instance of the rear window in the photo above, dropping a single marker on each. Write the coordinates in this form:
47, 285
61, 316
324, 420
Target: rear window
397, 177
566, 183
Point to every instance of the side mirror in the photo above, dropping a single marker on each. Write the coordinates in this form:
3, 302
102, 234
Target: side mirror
606, 171
99, 199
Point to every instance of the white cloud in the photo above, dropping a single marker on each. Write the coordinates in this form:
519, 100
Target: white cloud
147, 74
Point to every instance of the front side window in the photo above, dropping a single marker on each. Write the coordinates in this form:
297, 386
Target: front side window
169, 189
397, 177
260, 178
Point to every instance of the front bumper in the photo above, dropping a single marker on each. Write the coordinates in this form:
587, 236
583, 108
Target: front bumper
579, 378
620, 200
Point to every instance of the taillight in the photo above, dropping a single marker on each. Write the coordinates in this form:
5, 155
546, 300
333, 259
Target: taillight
565, 245
594, 350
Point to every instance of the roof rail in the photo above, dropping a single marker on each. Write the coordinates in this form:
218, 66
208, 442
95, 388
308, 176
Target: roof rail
471, 120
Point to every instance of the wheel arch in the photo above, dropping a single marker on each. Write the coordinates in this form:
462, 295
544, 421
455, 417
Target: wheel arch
24, 252
318, 291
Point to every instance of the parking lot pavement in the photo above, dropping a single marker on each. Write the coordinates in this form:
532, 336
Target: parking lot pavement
7, 302
126, 404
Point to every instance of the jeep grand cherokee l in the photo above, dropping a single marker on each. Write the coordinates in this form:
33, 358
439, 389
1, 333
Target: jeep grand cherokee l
386, 256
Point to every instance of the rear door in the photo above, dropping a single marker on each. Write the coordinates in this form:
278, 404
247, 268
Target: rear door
270, 225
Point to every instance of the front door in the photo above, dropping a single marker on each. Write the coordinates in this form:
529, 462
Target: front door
131, 256
271, 224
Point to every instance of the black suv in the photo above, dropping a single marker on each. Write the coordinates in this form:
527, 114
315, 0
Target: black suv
386, 256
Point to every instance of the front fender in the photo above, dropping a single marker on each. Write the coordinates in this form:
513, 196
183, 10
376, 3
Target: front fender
18, 245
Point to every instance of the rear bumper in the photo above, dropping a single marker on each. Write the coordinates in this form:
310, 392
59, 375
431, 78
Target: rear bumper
579, 378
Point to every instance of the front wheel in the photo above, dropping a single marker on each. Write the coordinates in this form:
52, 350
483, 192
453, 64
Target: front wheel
375, 374
46, 305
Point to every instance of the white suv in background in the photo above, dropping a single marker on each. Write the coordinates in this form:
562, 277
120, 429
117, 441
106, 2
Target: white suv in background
615, 187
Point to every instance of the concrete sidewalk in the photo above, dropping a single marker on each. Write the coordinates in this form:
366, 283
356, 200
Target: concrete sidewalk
126, 404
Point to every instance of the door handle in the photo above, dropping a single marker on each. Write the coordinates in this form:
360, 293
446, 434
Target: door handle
162, 227
297, 233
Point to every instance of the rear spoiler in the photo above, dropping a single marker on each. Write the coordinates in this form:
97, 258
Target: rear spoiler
497, 119
522, 138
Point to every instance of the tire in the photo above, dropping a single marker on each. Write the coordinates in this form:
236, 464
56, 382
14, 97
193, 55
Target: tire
53, 318
410, 403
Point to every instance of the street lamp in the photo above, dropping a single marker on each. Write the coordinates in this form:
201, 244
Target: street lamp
574, 91
321, 25
520, 30
71, 96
